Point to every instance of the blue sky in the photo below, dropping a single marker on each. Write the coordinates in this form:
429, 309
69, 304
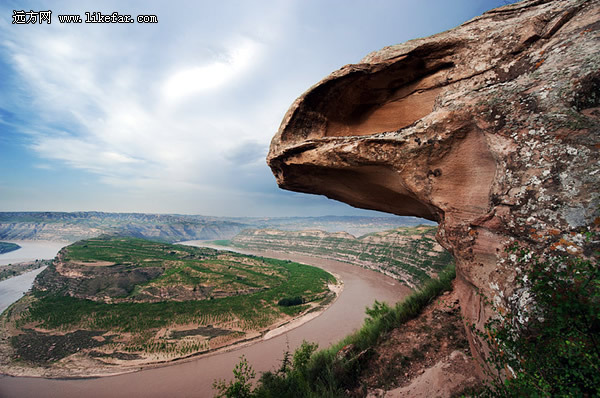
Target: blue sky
177, 117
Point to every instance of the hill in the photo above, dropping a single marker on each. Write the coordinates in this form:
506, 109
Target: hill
114, 301
409, 254
74, 226
171, 228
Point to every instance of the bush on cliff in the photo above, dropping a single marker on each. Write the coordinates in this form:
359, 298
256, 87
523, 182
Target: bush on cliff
330, 372
551, 345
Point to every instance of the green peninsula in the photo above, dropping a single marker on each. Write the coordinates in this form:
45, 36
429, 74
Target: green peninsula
6, 247
117, 303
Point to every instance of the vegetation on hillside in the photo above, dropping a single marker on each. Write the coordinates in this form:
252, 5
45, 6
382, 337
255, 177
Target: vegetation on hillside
244, 292
409, 254
6, 247
332, 371
550, 345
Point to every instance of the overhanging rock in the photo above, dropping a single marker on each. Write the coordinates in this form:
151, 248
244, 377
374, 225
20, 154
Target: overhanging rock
491, 129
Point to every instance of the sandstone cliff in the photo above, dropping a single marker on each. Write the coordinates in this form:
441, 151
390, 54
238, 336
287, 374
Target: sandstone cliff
491, 129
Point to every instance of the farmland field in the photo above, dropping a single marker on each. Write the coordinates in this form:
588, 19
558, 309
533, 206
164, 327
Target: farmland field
116, 300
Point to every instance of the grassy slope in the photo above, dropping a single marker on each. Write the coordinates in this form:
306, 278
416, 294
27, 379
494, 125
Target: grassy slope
238, 314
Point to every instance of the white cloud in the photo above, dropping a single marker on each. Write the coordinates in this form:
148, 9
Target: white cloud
191, 80
80, 154
104, 115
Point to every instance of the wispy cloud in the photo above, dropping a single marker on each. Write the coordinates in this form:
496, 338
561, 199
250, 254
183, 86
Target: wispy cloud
99, 111
197, 79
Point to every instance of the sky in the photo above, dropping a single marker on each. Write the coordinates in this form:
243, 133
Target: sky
177, 116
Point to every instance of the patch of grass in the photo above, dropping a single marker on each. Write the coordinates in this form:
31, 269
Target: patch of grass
221, 242
294, 310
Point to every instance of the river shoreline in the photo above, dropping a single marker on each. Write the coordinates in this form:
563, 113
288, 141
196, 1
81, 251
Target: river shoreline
67, 373
13, 288
194, 377
32, 250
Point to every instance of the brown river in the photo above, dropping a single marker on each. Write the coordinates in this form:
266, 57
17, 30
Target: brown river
194, 378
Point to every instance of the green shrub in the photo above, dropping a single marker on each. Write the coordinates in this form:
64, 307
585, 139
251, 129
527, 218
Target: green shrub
551, 347
241, 385
327, 373
290, 301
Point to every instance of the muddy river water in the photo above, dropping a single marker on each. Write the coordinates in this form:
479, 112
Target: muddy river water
12, 289
194, 377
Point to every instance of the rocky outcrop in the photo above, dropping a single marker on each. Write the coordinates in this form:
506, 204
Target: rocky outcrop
99, 281
491, 129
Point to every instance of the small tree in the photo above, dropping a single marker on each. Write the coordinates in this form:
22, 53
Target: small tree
379, 309
302, 355
241, 385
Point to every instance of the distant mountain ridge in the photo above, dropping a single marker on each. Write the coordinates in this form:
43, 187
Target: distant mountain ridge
73, 226
355, 225
83, 225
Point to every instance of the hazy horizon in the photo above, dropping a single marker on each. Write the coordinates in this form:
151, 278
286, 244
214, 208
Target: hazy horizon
176, 117
371, 214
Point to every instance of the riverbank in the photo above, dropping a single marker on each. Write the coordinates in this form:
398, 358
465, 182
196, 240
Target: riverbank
97, 362
86, 366
16, 269
32, 250
194, 377
13, 289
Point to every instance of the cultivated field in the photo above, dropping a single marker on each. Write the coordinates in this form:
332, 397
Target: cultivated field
125, 301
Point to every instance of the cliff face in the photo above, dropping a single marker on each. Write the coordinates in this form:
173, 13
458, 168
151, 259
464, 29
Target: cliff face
408, 254
491, 129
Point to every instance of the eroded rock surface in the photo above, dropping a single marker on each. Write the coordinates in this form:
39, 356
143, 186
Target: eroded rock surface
490, 129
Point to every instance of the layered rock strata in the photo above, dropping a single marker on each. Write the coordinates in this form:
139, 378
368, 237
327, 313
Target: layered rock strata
410, 255
491, 129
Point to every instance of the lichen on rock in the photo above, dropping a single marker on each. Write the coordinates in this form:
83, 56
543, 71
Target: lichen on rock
491, 129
